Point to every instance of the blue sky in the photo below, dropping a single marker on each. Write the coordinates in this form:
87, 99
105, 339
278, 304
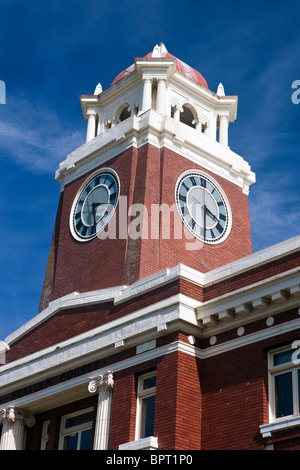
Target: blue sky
51, 52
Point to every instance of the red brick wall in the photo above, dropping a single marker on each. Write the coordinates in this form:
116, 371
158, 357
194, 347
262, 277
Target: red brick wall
123, 410
177, 403
234, 387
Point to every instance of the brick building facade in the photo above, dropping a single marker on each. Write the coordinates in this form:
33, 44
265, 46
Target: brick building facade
158, 327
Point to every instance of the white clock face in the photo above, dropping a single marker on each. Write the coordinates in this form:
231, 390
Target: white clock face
94, 205
203, 207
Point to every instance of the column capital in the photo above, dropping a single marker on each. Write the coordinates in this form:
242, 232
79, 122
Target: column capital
105, 380
224, 116
14, 414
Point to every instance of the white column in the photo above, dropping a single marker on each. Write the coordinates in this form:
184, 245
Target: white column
176, 114
104, 383
223, 136
147, 95
206, 128
161, 96
213, 126
14, 421
91, 126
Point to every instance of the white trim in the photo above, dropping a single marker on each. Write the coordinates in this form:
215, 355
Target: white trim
148, 443
87, 346
37, 371
141, 395
160, 131
123, 293
287, 423
74, 429
64, 389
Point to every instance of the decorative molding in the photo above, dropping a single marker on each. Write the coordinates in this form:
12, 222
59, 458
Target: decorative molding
14, 414
105, 380
65, 388
259, 300
160, 131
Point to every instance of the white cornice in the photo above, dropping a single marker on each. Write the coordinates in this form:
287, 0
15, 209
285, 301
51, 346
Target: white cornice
131, 330
25, 372
209, 311
159, 131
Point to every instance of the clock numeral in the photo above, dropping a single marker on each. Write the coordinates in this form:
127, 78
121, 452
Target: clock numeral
203, 182
219, 228
111, 184
184, 185
182, 197
222, 217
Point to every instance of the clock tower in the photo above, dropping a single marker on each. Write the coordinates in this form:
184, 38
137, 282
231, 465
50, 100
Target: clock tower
155, 184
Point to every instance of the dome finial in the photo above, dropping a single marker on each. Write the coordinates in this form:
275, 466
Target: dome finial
220, 90
98, 89
159, 50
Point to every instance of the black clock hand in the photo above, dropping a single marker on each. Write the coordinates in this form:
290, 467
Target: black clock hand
94, 212
197, 201
204, 220
211, 214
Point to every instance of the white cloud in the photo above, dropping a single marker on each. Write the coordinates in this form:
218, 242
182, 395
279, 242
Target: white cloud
33, 135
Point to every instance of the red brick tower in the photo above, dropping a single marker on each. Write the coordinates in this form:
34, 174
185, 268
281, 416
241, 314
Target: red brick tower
152, 187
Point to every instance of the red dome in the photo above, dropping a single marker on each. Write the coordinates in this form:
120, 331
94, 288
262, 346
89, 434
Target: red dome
181, 67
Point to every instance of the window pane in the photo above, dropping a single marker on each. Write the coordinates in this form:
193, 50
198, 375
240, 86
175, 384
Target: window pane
149, 382
283, 357
79, 419
284, 394
70, 442
86, 438
147, 422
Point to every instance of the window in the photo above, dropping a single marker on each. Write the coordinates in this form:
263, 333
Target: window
284, 384
76, 430
145, 405
125, 114
187, 117
45, 435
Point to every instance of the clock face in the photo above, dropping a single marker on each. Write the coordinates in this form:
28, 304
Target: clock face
94, 205
203, 207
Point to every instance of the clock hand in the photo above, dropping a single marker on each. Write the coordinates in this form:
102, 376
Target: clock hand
204, 220
211, 214
94, 205
197, 201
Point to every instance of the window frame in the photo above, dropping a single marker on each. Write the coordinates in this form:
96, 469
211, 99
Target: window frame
74, 429
273, 372
45, 434
141, 395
